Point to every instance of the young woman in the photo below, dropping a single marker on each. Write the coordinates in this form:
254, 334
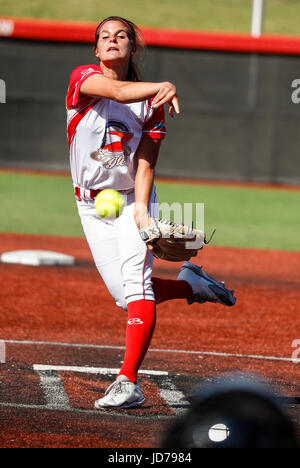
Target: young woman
115, 129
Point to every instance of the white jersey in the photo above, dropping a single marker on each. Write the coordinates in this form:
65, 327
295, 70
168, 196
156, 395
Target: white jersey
104, 135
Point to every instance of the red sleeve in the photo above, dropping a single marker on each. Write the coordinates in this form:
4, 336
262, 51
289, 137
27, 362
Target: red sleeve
78, 76
155, 127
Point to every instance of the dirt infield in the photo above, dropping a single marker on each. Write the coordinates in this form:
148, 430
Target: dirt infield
64, 341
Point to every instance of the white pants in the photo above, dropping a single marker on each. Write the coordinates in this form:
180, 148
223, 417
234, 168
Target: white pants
121, 257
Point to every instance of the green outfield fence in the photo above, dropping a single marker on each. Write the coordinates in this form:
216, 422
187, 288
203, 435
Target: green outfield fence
240, 115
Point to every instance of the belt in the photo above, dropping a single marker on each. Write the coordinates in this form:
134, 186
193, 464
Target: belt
90, 194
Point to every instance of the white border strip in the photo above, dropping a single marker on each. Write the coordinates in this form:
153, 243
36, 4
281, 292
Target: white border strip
2, 352
109, 413
179, 351
91, 370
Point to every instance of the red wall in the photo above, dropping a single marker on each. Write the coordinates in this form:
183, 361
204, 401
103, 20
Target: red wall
67, 31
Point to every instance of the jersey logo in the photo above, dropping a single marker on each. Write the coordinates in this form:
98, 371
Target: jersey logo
114, 147
135, 321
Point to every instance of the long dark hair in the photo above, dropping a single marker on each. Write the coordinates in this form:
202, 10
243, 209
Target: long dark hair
137, 43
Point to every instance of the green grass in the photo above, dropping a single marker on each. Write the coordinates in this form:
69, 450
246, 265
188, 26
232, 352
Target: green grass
281, 16
38, 204
243, 217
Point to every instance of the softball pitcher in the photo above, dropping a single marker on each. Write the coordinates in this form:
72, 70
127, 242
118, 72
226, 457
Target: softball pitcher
115, 125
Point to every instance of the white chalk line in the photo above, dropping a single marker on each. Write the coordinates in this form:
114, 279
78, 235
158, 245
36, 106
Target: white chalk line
53, 389
57, 399
91, 370
71, 409
153, 350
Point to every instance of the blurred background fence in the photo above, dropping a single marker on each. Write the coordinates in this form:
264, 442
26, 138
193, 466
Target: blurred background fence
237, 121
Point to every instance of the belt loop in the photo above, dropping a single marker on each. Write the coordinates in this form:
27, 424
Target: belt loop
86, 194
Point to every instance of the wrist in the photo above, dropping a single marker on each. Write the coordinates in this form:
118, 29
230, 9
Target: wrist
141, 216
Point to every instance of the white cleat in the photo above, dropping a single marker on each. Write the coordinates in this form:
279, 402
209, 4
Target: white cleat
205, 288
121, 394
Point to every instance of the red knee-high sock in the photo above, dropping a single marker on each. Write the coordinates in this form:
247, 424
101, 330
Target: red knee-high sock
140, 328
165, 289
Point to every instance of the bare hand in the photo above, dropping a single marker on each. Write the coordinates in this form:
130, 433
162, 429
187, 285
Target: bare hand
167, 94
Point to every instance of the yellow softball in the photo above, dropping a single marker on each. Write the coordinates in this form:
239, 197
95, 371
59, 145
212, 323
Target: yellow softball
109, 204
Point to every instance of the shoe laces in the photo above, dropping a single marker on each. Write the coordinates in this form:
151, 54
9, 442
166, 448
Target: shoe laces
116, 388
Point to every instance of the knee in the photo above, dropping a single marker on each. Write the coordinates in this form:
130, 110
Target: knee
121, 302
